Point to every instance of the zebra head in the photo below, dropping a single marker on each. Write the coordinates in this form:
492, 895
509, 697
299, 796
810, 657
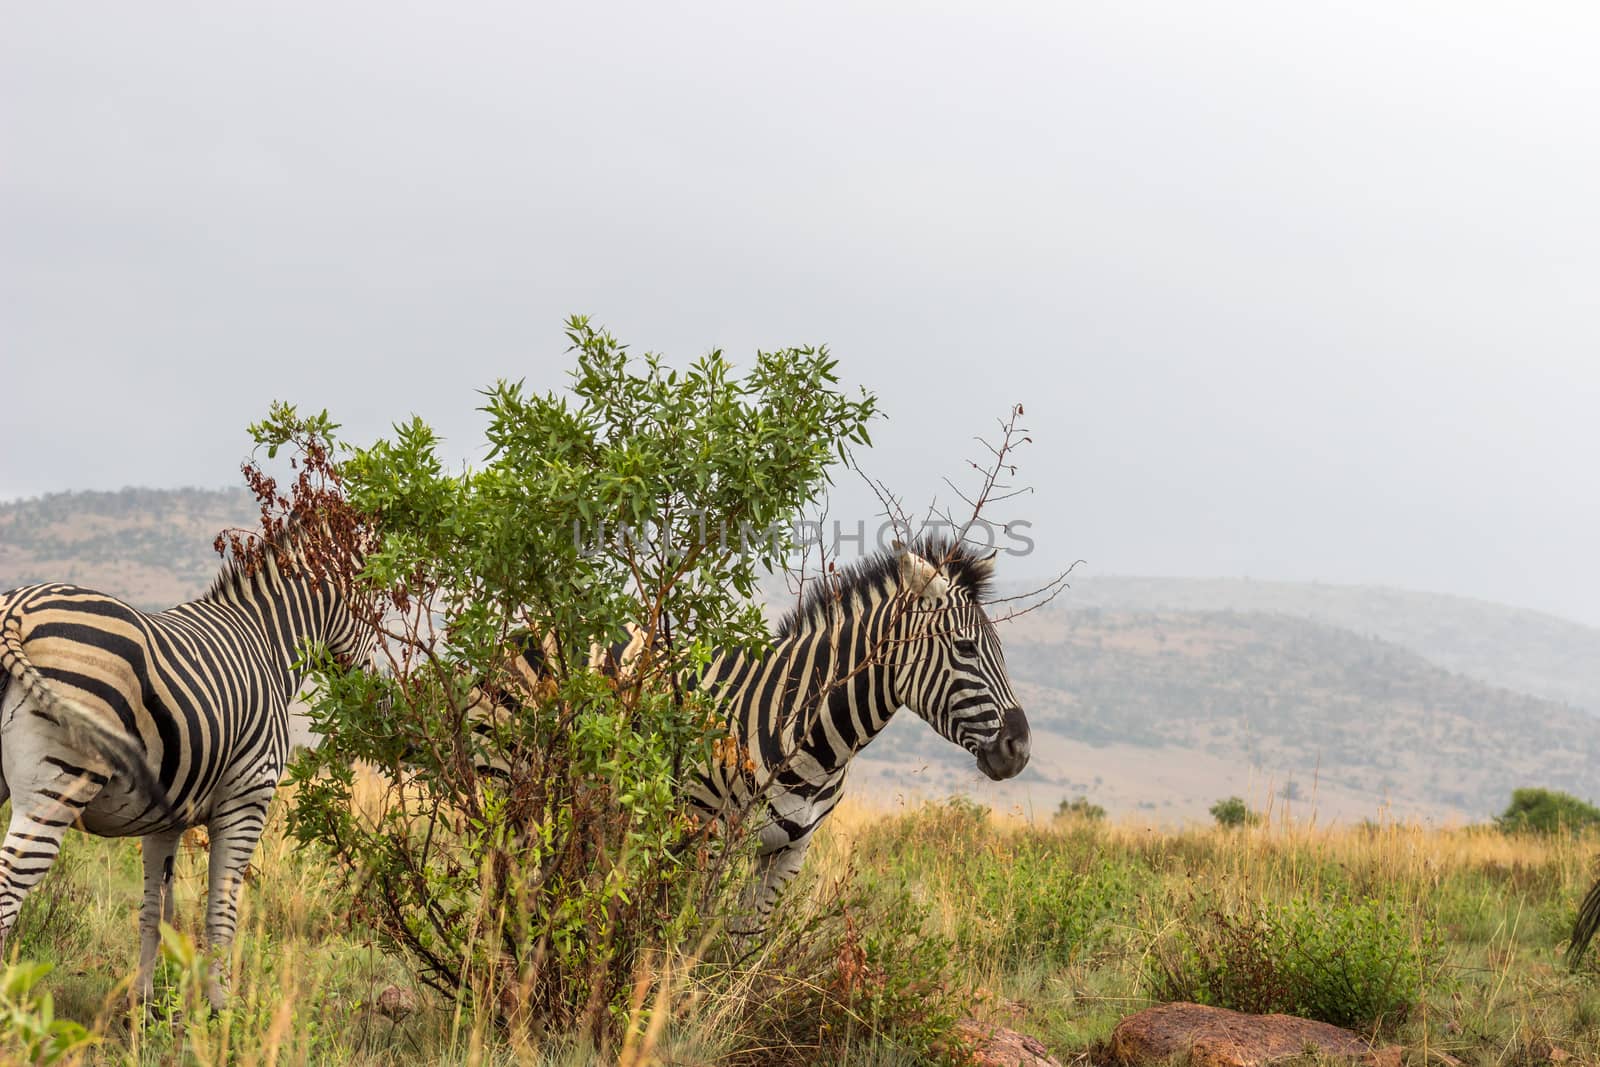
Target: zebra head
951, 671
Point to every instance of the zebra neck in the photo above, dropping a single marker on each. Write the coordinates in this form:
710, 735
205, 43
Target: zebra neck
842, 671
288, 612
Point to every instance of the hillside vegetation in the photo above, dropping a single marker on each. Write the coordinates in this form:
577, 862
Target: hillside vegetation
152, 547
1513, 648
1306, 707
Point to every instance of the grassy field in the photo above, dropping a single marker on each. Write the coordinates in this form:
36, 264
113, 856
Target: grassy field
1056, 930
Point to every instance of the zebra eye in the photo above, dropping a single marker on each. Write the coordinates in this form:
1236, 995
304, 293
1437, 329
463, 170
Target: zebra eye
967, 647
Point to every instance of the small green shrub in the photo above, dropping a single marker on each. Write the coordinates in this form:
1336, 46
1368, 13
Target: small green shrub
1233, 811
895, 977
1346, 962
1080, 809
1546, 811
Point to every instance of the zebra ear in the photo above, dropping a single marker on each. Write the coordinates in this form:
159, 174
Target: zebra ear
920, 577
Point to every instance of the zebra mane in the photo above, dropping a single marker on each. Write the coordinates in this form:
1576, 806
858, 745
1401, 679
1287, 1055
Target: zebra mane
880, 572
237, 570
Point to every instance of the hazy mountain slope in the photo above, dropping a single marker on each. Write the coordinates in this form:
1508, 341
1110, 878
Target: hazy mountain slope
1516, 648
1237, 698
152, 547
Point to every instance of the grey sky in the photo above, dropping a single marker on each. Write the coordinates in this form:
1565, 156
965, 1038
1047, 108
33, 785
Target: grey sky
1289, 293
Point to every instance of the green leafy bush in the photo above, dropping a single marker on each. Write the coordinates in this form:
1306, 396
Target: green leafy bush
1346, 962
1233, 811
543, 893
1546, 811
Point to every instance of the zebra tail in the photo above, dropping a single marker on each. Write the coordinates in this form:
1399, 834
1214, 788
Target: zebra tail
83, 727
1584, 929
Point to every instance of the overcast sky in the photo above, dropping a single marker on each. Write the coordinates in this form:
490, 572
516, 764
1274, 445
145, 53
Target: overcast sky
1288, 293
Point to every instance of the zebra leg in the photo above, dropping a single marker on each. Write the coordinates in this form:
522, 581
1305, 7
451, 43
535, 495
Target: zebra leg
235, 831
778, 871
159, 850
40, 816
774, 870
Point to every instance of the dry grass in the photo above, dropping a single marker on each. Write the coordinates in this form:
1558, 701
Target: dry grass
307, 981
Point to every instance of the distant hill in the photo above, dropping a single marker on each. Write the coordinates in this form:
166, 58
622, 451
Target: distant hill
1170, 711
1154, 697
1530, 651
152, 547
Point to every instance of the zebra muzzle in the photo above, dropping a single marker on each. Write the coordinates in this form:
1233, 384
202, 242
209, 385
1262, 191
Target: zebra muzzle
1007, 754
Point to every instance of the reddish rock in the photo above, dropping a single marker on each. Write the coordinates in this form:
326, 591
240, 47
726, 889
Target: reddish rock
995, 1046
1216, 1037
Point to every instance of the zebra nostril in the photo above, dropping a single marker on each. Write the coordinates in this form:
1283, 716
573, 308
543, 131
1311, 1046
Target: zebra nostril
1007, 754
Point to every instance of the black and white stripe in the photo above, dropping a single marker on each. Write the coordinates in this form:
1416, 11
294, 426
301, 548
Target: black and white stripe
126, 723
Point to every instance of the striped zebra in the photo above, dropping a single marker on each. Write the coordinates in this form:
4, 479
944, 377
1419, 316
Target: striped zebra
897, 630
125, 723
1584, 927
902, 629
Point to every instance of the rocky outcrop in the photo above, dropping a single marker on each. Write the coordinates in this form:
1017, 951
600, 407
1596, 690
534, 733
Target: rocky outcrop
1216, 1037
995, 1046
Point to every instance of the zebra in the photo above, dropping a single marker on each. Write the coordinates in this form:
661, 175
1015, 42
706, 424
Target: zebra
1584, 926
904, 628
125, 723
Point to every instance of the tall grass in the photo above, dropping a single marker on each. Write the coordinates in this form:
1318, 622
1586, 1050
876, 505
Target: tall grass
902, 921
